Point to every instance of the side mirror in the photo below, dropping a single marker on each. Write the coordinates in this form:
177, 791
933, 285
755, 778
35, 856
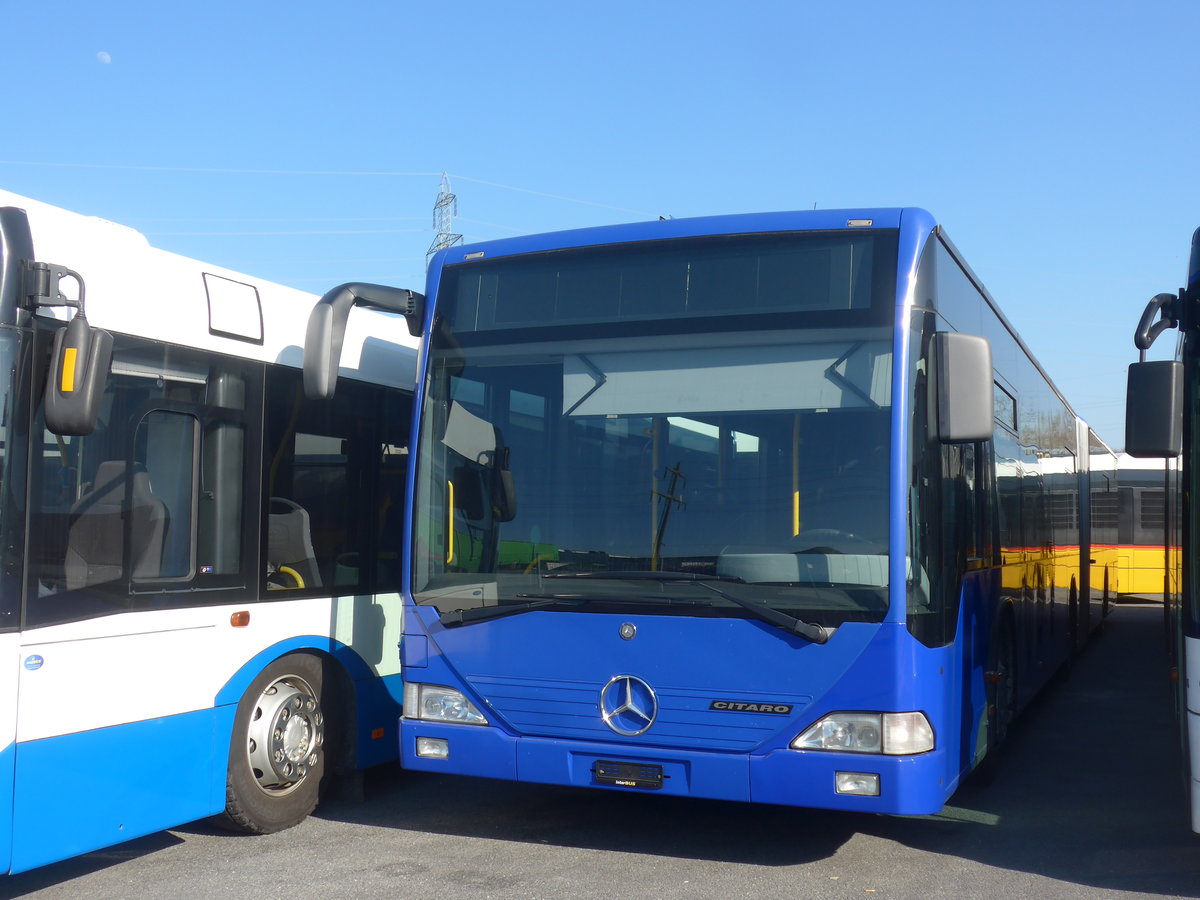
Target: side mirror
1154, 409
963, 378
79, 366
468, 492
327, 328
81, 357
504, 492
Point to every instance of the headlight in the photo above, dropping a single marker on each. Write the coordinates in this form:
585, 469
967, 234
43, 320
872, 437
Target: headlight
435, 703
905, 733
894, 734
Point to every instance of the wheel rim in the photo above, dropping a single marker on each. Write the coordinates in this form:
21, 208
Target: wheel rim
286, 735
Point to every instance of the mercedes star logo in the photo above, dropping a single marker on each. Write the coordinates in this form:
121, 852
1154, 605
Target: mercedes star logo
628, 705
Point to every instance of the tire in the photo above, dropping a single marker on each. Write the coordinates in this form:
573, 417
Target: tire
1004, 683
1002, 702
277, 752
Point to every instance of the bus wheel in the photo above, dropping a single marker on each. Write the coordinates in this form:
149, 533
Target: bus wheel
277, 755
1003, 679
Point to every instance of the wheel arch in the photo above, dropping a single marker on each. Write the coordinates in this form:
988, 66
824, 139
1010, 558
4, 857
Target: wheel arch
352, 666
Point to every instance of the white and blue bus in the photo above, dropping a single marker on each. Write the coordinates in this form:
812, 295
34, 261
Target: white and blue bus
1162, 421
199, 567
772, 507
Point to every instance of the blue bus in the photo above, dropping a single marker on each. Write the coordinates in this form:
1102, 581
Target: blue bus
1161, 423
771, 507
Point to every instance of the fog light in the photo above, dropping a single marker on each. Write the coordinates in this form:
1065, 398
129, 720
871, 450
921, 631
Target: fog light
433, 748
864, 784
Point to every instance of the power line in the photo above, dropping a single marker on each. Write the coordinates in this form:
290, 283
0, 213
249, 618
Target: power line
320, 172
287, 219
280, 233
296, 262
212, 171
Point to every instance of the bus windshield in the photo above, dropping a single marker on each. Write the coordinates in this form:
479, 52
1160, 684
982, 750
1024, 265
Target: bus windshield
671, 458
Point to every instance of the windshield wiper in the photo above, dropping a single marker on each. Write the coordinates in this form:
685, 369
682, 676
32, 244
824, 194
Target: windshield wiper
818, 634
656, 599
483, 613
532, 602
634, 575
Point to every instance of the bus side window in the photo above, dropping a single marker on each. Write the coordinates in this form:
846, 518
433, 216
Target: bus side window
334, 472
140, 516
328, 499
167, 441
101, 523
153, 498
291, 561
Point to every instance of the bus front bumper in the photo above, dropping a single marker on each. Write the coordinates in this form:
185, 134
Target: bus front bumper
907, 785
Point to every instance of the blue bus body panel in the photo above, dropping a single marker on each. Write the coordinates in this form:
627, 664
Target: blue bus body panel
916, 225
546, 726
541, 672
8, 758
130, 791
380, 702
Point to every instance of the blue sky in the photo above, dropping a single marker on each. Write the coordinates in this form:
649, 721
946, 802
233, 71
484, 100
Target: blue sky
304, 142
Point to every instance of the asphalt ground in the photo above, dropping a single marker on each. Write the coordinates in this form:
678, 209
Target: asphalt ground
1087, 802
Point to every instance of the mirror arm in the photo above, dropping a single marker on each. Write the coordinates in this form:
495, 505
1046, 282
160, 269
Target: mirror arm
1148, 330
327, 328
40, 286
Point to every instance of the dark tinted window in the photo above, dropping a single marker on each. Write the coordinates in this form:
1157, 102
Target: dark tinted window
334, 482
790, 273
13, 463
148, 510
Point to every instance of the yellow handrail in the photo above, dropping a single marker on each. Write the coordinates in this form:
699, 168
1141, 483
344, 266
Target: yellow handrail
450, 523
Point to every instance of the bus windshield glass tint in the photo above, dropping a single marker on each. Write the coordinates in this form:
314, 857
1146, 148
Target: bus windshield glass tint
743, 443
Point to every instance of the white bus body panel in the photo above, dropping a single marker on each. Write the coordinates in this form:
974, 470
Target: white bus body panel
139, 708
10, 661
126, 667
205, 306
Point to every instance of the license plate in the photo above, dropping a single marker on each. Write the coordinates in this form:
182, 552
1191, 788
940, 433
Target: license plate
627, 774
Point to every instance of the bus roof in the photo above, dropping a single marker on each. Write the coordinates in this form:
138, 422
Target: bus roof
665, 229
137, 289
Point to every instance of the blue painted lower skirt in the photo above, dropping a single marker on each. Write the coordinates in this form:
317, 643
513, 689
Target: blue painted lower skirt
79, 792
